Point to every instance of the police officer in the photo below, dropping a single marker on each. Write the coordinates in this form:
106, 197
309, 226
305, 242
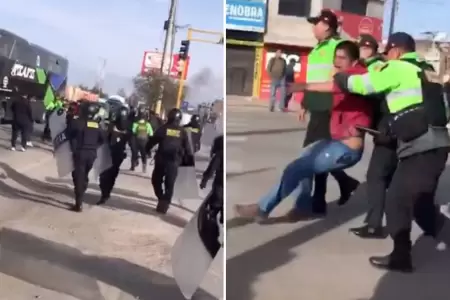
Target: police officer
173, 148
383, 161
318, 105
418, 110
141, 130
211, 210
85, 137
117, 138
195, 129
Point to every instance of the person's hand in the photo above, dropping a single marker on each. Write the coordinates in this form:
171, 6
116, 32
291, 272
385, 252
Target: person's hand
203, 184
296, 87
302, 115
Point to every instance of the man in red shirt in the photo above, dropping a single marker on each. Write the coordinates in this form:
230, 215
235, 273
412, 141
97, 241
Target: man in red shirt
342, 151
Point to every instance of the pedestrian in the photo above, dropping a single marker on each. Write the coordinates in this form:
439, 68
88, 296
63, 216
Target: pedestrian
383, 161
173, 147
290, 79
277, 72
195, 130
142, 130
22, 121
342, 151
85, 136
418, 120
117, 138
319, 104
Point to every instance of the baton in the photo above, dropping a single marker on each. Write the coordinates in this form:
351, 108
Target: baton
368, 130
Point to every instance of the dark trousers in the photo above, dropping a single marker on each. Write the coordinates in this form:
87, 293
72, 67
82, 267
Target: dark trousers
208, 227
23, 131
83, 161
164, 173
46, 135
139, 149
382, 166
411, 197
108, 177
319, 129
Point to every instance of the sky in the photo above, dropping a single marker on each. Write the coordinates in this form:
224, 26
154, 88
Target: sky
417, 16
118, 31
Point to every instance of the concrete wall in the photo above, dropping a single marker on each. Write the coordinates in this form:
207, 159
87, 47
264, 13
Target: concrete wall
296, 31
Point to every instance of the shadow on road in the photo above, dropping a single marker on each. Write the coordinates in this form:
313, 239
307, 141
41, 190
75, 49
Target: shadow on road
430, 281
231, 175
266, 131
116, 202
67, 270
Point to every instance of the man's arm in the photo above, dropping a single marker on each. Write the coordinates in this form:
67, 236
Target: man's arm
269, 66
370, 83
156, 138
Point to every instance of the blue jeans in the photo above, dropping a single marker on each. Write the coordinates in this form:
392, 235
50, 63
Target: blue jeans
320, 157
274, 85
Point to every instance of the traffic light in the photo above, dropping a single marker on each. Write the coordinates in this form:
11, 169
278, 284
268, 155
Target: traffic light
184, 49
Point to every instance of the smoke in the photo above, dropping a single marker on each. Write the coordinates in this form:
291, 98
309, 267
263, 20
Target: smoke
204, 86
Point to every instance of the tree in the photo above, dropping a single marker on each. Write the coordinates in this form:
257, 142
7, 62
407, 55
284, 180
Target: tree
121, 92
147, 88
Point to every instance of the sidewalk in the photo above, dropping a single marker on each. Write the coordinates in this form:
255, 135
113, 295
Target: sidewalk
241, 103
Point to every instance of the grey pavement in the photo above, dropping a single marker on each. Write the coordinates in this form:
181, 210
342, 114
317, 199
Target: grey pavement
119, 251
314, 260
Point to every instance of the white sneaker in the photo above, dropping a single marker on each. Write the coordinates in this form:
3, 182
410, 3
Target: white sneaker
22, 149
13, 148
29, 144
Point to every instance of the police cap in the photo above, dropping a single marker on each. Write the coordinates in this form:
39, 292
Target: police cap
195, 118
326, 16
367, 40
400, 40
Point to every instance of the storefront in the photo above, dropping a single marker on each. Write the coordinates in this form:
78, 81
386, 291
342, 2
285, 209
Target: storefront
299, 54
245, 24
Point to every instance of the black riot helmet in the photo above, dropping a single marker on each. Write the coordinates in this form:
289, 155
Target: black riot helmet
174, 116
89, 111
195, 120
121, 118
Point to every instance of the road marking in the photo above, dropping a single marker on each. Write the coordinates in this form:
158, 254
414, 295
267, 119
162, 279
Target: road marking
237, 139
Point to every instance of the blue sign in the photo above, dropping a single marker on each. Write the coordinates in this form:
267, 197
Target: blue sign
184, 105
246, 15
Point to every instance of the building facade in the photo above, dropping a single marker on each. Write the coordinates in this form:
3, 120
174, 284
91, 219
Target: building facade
286, 28
245, 28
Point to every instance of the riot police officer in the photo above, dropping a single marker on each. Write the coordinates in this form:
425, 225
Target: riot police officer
117, 138
85, 137
142, 130
173, 148
418, 120
195, 129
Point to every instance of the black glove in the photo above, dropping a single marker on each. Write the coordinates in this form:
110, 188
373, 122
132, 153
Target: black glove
203, 183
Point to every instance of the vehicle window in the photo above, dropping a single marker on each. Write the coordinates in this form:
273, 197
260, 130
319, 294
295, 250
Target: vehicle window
6, 43
24, 54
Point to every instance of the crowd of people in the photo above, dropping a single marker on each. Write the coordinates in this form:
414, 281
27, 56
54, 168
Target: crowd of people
353, 91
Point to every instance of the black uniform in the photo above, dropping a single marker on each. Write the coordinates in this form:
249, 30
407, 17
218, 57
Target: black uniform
212, 207
117, 138
382, 166
85, 137
22, 120
173, 148
195, 130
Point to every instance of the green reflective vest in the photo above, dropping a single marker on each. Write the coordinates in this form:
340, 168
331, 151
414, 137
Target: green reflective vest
319, 69
374, 63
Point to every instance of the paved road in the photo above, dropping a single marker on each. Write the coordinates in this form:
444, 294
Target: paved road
117, 252
315, 260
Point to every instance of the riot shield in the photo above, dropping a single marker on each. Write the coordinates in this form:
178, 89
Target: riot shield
186, 186
61, 145
102, 163
192, 254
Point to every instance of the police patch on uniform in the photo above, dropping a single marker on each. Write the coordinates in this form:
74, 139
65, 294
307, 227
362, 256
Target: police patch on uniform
92, 124
173, 133
378, 67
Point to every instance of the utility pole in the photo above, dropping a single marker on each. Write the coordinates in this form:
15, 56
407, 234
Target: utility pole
394, 7
169, 27
101, 74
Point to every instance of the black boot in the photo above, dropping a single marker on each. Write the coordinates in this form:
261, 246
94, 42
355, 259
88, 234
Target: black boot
400, 259
367, 232
162, 207
103, 200
347, 190
78, 207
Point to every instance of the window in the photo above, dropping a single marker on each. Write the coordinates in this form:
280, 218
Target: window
357, 7
296, 8
6, 44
